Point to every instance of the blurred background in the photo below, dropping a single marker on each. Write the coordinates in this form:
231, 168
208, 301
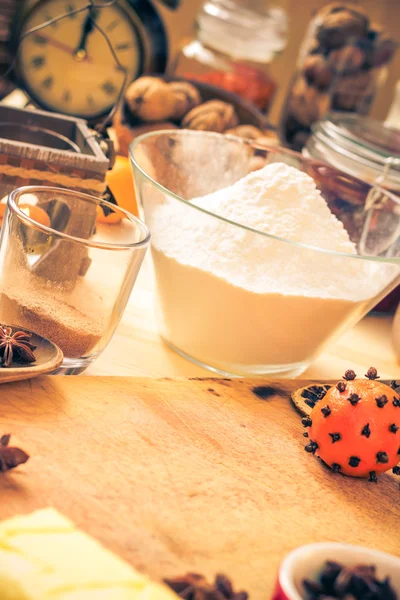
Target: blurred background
181, 24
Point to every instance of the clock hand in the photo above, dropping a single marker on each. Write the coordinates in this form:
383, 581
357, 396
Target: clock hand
58, 44
61, 46
87, 28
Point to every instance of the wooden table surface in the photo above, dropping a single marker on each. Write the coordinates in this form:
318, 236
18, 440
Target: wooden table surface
137, 350
186, 475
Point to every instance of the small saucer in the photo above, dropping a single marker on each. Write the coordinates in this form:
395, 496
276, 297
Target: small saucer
48, 358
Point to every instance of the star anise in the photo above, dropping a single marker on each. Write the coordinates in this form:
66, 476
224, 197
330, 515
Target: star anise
15, 346
10, 457
195, 587
358, 583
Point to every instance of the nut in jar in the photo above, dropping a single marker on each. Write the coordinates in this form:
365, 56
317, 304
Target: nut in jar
352, 91
307, 102
340, 24
343, 60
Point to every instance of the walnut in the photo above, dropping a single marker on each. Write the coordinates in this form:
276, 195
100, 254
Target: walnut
186, 95
213, 115
383, 51
335, 7
248, 132
318, 71
351, 90
347, 59
311, 46
269, 139
306, 103
337, 28
150, 99
358, 83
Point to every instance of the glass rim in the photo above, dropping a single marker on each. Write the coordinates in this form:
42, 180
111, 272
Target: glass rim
337, 127
73, 147
137, 141
14, 195
330, 141
334, 148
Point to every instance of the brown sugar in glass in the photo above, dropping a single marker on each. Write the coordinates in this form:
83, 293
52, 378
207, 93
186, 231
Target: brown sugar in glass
69, 282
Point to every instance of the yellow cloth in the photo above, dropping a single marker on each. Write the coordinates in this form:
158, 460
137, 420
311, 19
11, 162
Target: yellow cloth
43, 556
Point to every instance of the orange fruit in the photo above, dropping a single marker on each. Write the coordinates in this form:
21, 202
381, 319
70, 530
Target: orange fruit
120, 182
2, 211
112, 219
356, 427
36, 213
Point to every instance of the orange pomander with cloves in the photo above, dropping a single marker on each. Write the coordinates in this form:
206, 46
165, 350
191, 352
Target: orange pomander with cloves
355, 427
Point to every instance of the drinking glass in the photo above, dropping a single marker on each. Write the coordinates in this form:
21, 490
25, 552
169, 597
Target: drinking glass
68, 263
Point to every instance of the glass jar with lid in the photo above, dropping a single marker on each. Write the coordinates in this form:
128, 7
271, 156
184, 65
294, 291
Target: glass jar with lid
359, 146
235, 41
363, 148
341, 65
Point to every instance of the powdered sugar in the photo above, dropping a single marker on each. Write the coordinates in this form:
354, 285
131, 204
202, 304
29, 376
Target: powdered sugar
267, 201
248, 303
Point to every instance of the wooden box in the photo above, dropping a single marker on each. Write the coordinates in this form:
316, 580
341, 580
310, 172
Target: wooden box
40, 148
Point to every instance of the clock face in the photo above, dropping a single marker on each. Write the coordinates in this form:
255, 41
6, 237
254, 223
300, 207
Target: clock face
68, 67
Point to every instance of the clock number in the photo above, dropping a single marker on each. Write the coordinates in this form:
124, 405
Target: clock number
40, 40
50, 18
67, 96
48, 82
123, 46
112, 25
38, 61
70, 10
108, 88
90, 100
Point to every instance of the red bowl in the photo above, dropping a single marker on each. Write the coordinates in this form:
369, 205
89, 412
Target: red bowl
307, 561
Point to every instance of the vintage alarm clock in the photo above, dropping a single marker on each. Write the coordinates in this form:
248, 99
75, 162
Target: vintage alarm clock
68, 67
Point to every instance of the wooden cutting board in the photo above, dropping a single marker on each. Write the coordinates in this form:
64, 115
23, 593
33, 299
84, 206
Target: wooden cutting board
177, 475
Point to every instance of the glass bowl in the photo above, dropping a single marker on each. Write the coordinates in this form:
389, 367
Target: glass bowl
240, 301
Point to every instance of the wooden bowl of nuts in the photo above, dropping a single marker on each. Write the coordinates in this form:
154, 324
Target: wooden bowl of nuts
158, 102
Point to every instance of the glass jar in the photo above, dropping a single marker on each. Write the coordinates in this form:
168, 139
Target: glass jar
393, 117
235, 40
359, 146
365, 149
342, 62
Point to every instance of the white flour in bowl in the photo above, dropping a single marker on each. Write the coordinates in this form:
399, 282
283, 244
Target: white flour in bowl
246, 303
